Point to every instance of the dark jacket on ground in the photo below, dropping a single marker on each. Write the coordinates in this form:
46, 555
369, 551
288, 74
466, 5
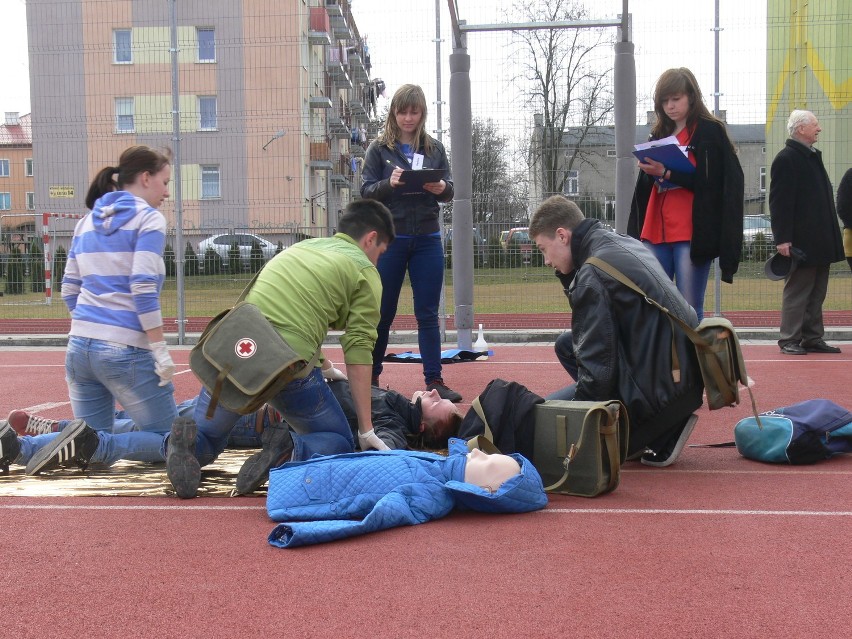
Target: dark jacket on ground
395, 419
717, 210
415, 213
622, 343
801, 203
509, 408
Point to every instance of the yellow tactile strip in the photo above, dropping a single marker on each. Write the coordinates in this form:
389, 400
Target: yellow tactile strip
123, 479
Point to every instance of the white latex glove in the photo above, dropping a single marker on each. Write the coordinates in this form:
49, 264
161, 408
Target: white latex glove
333, 374
163, 364
370, 440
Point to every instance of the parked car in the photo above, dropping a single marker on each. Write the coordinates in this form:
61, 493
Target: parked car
244, 241
518, 236
480, 248
758, 242
518, 248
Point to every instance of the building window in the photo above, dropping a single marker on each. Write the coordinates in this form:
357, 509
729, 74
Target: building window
206, 44
610, 153
207, 113
762, 180
30, 201
122, 46
210, 183
4, 168
572, 183
28, 167
5, 201
124, 115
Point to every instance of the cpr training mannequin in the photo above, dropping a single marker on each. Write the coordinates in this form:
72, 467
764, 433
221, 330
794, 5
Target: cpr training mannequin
340, 496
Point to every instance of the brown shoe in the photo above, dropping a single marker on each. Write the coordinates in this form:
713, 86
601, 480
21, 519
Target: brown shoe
443, 390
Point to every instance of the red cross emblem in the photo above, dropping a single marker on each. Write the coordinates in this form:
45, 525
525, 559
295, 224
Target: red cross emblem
245, 348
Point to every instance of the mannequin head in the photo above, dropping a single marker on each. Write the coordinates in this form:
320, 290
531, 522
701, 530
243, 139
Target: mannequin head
440, 418
489, 471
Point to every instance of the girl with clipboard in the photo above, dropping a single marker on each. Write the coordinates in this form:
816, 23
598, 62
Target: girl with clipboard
687, 227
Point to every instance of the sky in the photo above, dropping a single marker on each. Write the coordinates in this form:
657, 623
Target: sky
401, 38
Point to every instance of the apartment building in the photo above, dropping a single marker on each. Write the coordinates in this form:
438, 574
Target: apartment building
272, 99
17, 200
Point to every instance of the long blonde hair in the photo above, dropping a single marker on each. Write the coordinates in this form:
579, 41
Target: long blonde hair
407, 96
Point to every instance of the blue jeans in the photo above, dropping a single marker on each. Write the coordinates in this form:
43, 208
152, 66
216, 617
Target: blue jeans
307, 405
243, 435
564, 348
98, 374
423, 257
690, 278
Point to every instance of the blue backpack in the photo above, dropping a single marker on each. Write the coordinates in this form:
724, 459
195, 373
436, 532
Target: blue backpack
802, 433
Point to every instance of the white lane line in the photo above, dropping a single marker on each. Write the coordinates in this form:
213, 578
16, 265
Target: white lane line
783, 470
125, 507
46, 406
558, 511
693, 511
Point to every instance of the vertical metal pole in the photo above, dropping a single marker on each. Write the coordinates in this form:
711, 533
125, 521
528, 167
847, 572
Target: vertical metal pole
176, 169
717, 273
624, 77
461, 135
442, 305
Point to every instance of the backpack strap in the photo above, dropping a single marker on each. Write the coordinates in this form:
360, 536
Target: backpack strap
691, 333
610, 270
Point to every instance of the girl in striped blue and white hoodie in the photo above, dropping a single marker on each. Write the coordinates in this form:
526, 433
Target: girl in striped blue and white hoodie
116, 347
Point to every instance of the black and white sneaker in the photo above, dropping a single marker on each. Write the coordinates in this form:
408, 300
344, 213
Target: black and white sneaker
10, 447
277, 449
182, 465
670, 450
75, 445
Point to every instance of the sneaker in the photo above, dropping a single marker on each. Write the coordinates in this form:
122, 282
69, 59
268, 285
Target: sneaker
669, 452
10, 447
182, 465
443, 390
75, 445
26, 424
277, 449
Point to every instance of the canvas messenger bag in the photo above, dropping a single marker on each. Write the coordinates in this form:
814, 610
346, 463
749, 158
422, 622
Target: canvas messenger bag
243, 361
578, 447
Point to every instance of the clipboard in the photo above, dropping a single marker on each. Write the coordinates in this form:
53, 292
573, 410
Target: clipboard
413, 180
667, 152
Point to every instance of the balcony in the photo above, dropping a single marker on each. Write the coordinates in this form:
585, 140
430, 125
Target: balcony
319, 102
356, 106
342, 174
320, 27
357, 68
336, 61
334, 8
337, 125
319, 157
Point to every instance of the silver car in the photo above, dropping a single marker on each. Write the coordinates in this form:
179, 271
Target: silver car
755, 227
244, 241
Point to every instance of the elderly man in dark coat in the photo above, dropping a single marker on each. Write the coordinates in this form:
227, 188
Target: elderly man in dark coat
801, 203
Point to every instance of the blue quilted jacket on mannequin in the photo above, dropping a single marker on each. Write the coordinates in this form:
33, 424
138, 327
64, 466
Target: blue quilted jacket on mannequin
340, 496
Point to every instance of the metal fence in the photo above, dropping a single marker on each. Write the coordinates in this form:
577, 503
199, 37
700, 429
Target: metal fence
302, 164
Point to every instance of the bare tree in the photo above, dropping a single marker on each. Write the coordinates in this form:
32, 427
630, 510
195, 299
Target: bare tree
569, 87
492, 184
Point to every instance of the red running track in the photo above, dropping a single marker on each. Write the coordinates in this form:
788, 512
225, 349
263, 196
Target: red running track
494, 321
713, 546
